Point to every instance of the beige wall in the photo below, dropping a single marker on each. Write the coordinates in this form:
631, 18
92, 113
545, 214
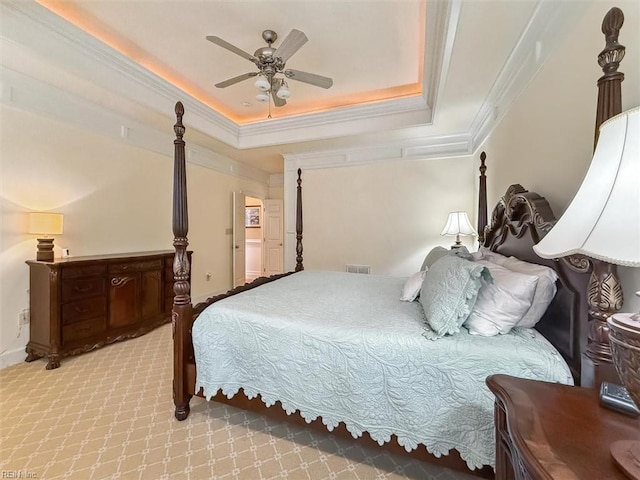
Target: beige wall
387, 215
116, 198
545, 141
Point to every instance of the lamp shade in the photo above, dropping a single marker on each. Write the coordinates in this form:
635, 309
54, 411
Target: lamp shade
603, 219
458, 224
45, 223
262, 83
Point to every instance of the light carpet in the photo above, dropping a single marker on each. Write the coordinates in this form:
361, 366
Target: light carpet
109, 414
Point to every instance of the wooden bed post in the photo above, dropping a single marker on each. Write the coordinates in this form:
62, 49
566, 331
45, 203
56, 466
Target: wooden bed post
604, 290
610, 84
482, 199
299, 265
181, 314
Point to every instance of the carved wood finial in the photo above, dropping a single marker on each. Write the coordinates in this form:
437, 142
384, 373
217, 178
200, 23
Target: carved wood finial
178, 128
483, 167
611, 24
610, 84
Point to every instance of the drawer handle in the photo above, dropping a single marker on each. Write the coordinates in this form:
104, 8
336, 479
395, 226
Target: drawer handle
117, 281
86, 288
81, 309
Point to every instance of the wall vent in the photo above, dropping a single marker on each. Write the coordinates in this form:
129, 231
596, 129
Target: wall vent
366, 269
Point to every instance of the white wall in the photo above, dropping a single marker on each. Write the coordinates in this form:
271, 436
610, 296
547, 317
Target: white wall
545, 140
116, 198
387, 215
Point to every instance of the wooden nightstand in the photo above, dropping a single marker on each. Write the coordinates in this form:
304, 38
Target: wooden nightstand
557, 432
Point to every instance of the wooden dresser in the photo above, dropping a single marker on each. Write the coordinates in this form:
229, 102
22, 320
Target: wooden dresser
78, 304
556, 432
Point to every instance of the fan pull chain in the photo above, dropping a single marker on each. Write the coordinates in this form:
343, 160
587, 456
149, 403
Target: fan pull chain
269, 116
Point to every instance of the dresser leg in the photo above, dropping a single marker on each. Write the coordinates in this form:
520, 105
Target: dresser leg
54, 361
31, 355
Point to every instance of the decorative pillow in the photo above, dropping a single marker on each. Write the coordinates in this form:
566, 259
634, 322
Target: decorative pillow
438, 252
501, 305
412, 286
433, 255
545, 290
449, 292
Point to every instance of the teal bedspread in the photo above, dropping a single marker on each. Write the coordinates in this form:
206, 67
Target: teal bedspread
344, 347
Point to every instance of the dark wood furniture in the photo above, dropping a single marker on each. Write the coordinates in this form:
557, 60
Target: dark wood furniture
79, 304
555, 432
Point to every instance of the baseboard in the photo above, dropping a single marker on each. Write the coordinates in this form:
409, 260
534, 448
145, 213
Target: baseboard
12, 357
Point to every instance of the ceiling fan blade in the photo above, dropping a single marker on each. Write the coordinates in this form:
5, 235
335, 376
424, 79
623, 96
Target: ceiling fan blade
224, 44
235, 80
275, 86
312, 78
290, 45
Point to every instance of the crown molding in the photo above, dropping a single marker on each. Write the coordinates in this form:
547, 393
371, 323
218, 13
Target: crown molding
550, 23
34, 26
434, 147
30, 94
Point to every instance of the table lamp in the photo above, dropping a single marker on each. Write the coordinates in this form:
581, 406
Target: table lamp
603, 223
45, 224
458, 224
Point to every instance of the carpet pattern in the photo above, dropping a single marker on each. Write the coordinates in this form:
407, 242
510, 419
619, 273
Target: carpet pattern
109, 414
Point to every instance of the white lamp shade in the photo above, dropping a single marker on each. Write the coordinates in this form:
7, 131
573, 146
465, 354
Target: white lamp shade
262, 83
45, 223
262, 97
458, 224
603, 219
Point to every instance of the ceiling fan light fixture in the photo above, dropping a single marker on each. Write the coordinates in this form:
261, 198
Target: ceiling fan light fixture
262, 97
262, 83
283, 92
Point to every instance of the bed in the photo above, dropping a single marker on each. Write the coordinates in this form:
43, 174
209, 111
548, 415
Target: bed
307, 343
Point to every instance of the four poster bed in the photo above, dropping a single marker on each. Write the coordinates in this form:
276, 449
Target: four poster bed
297, 339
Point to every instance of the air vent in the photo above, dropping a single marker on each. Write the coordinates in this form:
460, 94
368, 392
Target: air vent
366, 269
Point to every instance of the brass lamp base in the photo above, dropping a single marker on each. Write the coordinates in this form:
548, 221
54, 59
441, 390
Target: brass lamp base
45, 250
624, 335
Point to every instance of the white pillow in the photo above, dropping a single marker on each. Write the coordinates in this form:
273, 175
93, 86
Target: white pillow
545, 290
486, 254
502, 304
412, 286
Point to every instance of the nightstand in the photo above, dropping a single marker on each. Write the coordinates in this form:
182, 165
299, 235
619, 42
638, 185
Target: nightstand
556, 432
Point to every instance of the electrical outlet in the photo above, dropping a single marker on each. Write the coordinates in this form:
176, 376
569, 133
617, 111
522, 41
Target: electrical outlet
23, 317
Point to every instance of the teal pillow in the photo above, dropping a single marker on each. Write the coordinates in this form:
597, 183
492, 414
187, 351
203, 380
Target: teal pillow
449, 292
437, 253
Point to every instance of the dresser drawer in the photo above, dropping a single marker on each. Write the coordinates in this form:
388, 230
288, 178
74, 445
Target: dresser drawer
84, 271
83, 287
135, 266
83, 329
83, 309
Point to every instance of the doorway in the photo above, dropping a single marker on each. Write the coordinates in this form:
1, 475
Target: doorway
254, 225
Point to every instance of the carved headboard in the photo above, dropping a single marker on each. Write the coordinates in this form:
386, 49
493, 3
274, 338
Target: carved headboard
518, 222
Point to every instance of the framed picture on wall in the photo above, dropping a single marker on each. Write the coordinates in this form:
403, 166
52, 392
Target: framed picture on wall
252, 217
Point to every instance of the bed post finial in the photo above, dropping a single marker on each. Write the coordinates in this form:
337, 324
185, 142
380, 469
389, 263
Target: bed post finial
299, 265
181, 313
482, 199
610, 84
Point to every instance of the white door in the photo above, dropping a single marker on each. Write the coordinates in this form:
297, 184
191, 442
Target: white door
273, 250
238, 244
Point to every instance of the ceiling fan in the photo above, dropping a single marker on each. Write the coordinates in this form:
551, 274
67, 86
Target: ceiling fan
271, 62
